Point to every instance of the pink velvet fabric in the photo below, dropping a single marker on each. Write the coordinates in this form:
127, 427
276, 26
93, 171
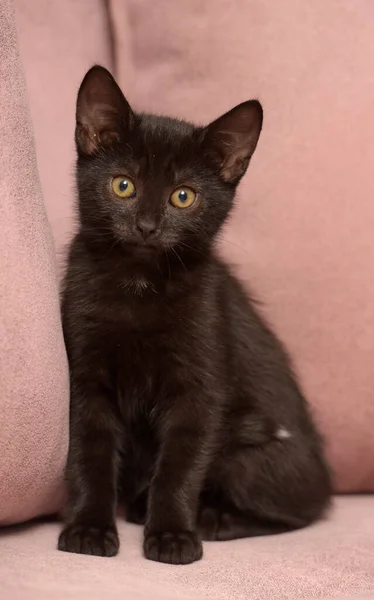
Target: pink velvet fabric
302, 233
33, 368
333, 559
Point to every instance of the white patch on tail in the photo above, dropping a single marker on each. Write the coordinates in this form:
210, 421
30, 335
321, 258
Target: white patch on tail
282, 433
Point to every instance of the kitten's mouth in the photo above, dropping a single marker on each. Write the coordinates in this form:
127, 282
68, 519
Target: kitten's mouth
140, 248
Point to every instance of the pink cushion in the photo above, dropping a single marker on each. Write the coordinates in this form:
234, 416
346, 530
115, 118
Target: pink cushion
58, 42
33, 369
302, 233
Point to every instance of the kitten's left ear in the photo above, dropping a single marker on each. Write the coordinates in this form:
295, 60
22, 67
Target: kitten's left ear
103, 114
231, 140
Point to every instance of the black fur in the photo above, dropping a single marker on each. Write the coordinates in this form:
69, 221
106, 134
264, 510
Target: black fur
184, 406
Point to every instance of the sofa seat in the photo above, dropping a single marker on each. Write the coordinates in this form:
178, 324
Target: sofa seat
332, 559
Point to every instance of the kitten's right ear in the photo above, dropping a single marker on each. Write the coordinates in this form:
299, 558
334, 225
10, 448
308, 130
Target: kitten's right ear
103, 114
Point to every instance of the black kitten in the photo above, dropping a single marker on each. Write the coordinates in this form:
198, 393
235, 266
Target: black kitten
184, 406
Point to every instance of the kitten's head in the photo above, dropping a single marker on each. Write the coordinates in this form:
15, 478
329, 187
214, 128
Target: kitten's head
153, 183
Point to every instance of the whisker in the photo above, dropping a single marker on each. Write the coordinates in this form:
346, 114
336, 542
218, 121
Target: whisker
227, 241
167, 259
179, 258
194, 249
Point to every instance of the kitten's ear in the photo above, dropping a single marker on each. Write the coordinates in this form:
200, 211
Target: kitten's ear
103, 114
231, 140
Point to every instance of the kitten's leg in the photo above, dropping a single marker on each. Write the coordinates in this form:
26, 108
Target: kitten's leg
170, 532
223, 523
91, 476
281, 486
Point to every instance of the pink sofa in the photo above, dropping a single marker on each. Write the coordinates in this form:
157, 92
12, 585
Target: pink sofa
302, 235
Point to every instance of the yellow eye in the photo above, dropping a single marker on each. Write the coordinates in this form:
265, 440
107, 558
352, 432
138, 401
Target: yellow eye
183, 197
123, 187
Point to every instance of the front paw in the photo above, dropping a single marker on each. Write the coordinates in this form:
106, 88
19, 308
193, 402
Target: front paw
89, 539
175, 548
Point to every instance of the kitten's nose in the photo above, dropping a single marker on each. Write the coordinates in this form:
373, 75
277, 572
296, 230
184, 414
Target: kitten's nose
146, 226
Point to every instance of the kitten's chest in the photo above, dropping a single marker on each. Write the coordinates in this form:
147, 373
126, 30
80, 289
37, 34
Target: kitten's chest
147, 336
134, 313
138, 365
141, 372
